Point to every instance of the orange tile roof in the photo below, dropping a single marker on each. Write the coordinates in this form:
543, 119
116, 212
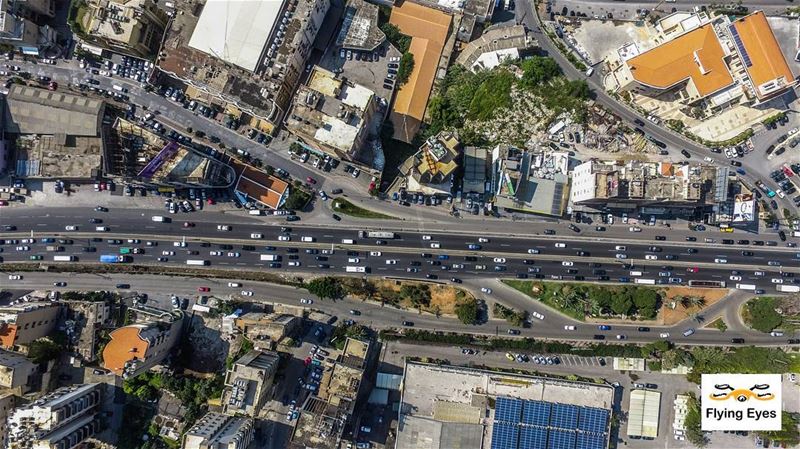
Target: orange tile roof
126, 344
261, 187
682, 58
768, 62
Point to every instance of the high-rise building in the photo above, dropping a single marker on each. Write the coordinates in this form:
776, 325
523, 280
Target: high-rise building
248, 382
16, 371
23, 25
219, 431
133, 27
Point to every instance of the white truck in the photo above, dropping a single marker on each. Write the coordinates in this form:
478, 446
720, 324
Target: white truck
636, 273
751, 287
350, 269
270, 257
646, 281
348, 242
64, 258
788, 288
196, 262
159, 219
377, 234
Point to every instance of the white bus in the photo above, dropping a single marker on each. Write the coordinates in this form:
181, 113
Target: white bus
196, 262
646, 281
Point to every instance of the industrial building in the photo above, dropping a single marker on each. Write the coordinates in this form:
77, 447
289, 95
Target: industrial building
448, 407
219, 431
360, 30
431, 169
137, 347
643, 413
22, 324
248, 382
134, 27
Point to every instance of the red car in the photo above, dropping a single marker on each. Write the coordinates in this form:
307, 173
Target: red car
188, 224
311, 180
692, 270
203, 289
787, 171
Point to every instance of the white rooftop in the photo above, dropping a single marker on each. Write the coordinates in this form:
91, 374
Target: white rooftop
337, 133
356, 96
235, 31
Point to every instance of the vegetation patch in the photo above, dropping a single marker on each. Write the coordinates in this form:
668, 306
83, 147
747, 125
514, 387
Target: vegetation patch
405, 69
514, 317
766, 314
718, 324
297, 199
346, 207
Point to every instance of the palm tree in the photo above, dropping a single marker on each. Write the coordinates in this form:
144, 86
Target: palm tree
692, 301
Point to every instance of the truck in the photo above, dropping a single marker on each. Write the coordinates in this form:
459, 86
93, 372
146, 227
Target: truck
63, 258
646, 281
795, 233
124, 250
160, 219
788, 288
377, 234
751, 287
636, 273
113, 258
350, 269
270, 257
57, 249
196, 262
348, 242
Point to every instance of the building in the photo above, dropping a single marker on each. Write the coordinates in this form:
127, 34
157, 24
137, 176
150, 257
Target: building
448, 407
82, 322
141, 155
531, 182
136, 348
61, 419
22, 324
134, 27
16, 371
244, 55
219, 431
8, 401
475, 164
431, 169
429, 30
324, 415
643, 413
655, 185
268, 326
257, 186
24, 26
360, 30
332, 115
496, 45
58, 135
249, 381
706, 58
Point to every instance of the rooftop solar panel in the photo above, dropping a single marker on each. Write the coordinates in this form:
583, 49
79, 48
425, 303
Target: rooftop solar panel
536, 413
564, 416
505, 436
592, 419
738, 40
532, 438
508, 410
591, 441
561, 439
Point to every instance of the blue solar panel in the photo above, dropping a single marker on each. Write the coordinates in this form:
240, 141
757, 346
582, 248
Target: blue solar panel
561, 439
564, 416
536, 413
508, 410
532, 438
592, 419
738, 40
505, 436
591, 441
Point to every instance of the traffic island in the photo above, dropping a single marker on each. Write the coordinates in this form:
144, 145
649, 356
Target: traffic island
343, 206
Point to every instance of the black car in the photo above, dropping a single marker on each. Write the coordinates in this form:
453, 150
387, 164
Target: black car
600, 228
736, 163
743, 242
549, 232
582, 254
737, 340
660, 238
95, 220
123, 286
455, 280
9, 228
599, 337
774, 204
513, 332
574, 228
643, 329
312, 251
336, 217
691, 239
114, 242
655, 249
651, 386
528, 261
782, 236
89, 249
431, 276
686, 154
639, 122
425, 255
671, 257
727, 241
747, 253
758, 242
408, 323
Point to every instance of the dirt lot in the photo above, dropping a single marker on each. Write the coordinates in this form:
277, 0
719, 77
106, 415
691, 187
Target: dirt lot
443, 297
669, 316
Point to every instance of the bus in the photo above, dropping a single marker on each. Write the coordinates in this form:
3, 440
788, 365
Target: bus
645, 281
707, 284
64, 258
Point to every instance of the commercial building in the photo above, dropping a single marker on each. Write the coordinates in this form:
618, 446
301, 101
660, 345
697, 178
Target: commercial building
360, 30
449, 407
268, 326
643, 412
145, 157
24, 26
429, 30
708, 58
497, 44
248, 55
219, 431
61, 419
332, 115
134, 27
531, 182
255, 185
611, 184
137, 347
249, 381
21, 325
431, 169
16, 371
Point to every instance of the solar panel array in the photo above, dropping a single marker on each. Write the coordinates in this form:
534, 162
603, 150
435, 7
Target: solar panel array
526, 424
742, 51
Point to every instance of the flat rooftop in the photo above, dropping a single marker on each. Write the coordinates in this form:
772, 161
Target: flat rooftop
61, 156
360, 27
31, 110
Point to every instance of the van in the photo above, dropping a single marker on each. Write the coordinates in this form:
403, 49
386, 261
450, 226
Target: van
348, 242
621, 248
119, 88
159, 219
255, 212
589, 71
101, 228
307, 239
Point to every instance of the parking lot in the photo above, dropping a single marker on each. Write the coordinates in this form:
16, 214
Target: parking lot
368, 69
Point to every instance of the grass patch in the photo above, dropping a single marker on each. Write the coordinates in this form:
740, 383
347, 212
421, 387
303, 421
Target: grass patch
719, 324
346, 207
546, 296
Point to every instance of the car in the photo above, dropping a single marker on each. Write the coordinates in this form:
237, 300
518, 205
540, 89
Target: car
284, 238
223, 228
604, 327
561, 245
634, 229
14, 277
621, 337
537, 315
203, 289
651, 257
486, 290
306, 301
567, 263
661, 238
408, 323
499, 260
513, 332
688, 332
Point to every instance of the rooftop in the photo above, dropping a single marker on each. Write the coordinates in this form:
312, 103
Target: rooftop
765, 64
30, 110
494, 39
360, 27
261, 187
58, 156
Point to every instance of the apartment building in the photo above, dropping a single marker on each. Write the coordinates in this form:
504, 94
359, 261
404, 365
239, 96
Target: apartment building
431, 169
62, 419
219, 431
136, 348
24, 25
249, 381
16, 371
22, 324
134, 27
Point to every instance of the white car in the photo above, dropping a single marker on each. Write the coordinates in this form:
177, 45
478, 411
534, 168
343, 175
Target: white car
134, 241
736, 278
294, 264
499, 260
483, 240
247, 293
179, 244
621, 337
719, 260
426, 237
621, 256
353, 260
567, 263
777, 280
480, 267
569, 328
71, 228
533, 251
561, 245
776, 333
14, 277
651, 257
486, 290
223, 228
664, 335
234, 254
215, 253
28, 240
284, 238
256, 235
167, 253
621, 248
537, 315
306, 301
234, 284
391, 262
23, 248
375, 253
457, 266
436, 245
635, 229
688, 332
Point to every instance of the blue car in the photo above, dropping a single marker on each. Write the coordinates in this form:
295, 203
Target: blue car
443, 257
740, 171
624, 279
473, 246
604, 327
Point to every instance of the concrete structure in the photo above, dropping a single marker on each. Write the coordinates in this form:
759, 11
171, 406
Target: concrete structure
268, 326
16, 371
249, 382
136, 348
82, 320
255, 185
449, 407
219, 431
475, 164
23, 25
628, 363
531, 182
431, 169
429, 30
139, 154
497, 44
247, 55
8, 400
332, 115
134, 27
21, 325
643, 413
59, 420
360, 29
710, 59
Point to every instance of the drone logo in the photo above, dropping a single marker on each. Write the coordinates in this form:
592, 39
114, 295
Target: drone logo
740, 394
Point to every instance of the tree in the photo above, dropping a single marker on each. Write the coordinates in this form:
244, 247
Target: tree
401, 41
326, 287
405, 69
269, 170
420, 295
538, 70
467, 311
761, 314
788, 435
621, 304
43, 350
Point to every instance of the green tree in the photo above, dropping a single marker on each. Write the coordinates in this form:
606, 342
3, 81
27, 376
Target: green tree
621, 304
788, 435
761, 314
401, 41
326, 288
693, 432
467, 311
420, 295
538, 70
405, 69
44, 350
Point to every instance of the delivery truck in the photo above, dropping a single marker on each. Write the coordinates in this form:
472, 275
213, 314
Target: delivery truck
113, 258
196, 262
788, 288
351, 269
645, 281
63, 258
270, 257
751, 287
